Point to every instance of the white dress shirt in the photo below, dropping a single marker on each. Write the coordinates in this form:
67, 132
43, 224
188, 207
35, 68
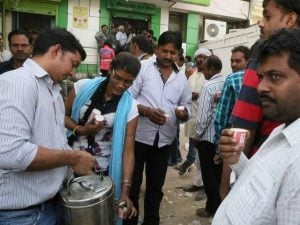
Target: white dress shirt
149, 90
267, 191
207, 104
31, 114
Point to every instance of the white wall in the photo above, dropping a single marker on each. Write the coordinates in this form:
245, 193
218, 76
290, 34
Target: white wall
86, 36
235, 9
222, 47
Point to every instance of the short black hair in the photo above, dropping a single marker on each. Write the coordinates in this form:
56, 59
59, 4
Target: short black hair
188, 58
214, 62
143, 43
287, 6
283, 41
243, 49
127, 62
170, 37
19, 32
108, 42
50, 37
103, 25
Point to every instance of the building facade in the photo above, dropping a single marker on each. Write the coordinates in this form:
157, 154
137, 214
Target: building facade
84, 17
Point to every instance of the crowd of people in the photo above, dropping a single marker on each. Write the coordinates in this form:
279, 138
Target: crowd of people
145, 90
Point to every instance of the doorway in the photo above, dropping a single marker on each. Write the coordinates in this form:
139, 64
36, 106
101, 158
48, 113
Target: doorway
138, 25
31, 21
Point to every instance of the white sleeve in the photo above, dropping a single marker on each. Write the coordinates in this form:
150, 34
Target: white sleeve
133, 112
79, 84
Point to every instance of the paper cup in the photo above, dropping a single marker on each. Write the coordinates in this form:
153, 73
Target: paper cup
167, 116
180, 107
240, 135
93, 115
99, 118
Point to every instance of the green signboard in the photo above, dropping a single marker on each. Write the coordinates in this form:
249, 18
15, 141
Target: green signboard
132, 7
198, 2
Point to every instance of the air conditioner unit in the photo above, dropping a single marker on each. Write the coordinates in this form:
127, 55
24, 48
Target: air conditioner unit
214, 29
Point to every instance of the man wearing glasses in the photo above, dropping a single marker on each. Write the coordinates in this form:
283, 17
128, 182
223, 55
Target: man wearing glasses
21, 49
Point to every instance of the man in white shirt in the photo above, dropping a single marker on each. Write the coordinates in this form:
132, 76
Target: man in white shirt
34, 154
159, 89
268, 187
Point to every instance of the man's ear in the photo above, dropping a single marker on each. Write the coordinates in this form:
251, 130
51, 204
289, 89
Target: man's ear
292, 20
55, 50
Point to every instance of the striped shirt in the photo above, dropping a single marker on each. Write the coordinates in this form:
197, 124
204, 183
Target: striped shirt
150, 90
230, 93
208, 101
31, 115
268, 188
247, 112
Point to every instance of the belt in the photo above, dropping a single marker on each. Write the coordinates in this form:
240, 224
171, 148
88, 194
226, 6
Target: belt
38, 206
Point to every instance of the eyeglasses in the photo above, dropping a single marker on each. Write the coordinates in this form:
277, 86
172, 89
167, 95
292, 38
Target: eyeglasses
118, 79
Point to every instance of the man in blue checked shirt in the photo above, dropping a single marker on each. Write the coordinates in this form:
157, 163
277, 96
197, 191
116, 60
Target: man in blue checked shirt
230, 92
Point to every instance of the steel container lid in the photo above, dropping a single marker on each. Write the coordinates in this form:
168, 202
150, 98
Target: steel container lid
86, 191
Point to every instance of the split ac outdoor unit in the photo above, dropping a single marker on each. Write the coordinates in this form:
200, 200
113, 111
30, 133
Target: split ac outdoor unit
214, 29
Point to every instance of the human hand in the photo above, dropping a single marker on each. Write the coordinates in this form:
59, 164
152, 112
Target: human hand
157, 116
129, 210
229, 148
84, 163
181, 114
91, 128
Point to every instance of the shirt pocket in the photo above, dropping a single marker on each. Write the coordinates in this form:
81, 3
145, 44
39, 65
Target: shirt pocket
173, 96
250, 199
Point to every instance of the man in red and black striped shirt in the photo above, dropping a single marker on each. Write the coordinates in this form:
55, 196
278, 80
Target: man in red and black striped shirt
247, 112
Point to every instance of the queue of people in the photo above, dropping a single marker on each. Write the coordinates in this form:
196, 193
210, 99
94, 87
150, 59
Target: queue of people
142, 97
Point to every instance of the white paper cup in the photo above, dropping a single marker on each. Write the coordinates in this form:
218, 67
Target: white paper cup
240, 135
99, 118
93, 114
180, 107
167, 116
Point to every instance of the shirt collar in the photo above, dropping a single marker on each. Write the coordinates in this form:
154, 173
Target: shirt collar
38, 71
291, 132
215, 76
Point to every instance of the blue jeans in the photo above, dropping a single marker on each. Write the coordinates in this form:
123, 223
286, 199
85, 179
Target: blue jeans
191, 155
45, 215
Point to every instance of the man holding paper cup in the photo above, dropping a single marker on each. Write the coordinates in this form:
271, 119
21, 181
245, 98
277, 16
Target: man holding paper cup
268, 188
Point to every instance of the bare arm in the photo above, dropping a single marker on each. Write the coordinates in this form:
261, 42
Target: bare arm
81, 162
225, 181
128, 165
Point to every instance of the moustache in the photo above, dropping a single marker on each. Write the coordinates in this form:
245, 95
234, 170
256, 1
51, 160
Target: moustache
167, 60
265, 97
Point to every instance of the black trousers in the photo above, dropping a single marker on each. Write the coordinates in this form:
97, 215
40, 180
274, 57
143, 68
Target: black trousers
155, 161
211, 175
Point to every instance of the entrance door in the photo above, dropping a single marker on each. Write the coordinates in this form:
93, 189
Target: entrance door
30, 21
138, 25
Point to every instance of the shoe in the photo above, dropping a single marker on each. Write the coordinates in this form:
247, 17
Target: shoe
203, 213
185, 168
200, 195
178, 166
191, 188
